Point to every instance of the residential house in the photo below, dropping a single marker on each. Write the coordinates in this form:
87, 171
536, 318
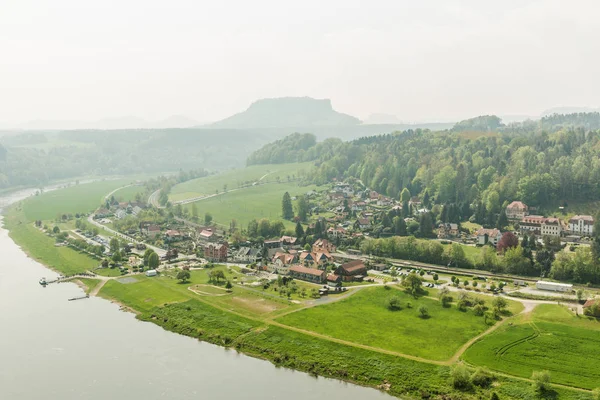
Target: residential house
307, 274
448, 230
414, 202
120, 214
362, 223
358, 206
516, 211
552, 227
247, 255
334, 280
384, 201
288, 241
173, 236
485, 236
284, 258
207, 235
102, 213
336, 197
216, 252
136, 210
336, 232
272, 244
152, 230
353, 270
323, 245
582, 225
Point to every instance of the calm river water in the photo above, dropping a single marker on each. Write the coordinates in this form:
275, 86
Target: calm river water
52, 348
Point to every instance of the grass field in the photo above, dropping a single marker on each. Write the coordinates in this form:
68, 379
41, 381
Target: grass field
129, 193
364, 318
550, 339
41, 247
237, 177
256, 202
89, 283
74, 199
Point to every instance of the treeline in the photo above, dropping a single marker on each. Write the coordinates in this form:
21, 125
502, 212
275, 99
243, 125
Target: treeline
38, 159
294, 148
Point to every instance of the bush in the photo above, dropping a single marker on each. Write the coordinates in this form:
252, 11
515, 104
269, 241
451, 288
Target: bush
424, 312
479, 310
461, 379
393, 303
541, 381
482, 378
446, 300
494, 396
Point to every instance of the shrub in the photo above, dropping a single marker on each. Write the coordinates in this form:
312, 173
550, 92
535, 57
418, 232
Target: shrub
541, 381
424, 312
494, 396
446, 300
461, 379
482, 377
393, 303
478, 310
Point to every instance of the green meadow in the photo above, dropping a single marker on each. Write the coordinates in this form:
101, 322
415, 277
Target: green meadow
263, 201
81, 198
236, 178
365, 318
129, 193
552, 339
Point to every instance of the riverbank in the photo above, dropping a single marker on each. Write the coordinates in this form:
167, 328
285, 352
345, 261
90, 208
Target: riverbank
231, 323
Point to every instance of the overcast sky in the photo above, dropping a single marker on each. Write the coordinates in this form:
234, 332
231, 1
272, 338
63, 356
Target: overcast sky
91, 59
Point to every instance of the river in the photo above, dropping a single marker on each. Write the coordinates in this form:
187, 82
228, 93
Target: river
57, 349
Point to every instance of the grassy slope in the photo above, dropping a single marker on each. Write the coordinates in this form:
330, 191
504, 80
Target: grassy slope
74, 199
128, 193
551, 339
234, 178
364, 318
41, 247
256, 202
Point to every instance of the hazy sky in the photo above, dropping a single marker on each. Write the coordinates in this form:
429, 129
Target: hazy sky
90, 59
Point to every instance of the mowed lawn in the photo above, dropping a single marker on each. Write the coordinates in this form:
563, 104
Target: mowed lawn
128, 193
244, 205
74, 199
364, 318
146, 293
238, 177
552, 339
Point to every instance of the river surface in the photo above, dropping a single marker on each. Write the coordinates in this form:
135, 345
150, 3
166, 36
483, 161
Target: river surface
52, 348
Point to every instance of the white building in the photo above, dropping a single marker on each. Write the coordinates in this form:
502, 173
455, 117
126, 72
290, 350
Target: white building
554, 286
151, 272
485, 236
551, 227
582, 225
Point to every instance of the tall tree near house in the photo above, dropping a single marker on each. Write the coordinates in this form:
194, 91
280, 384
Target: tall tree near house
194, 212
299, 230
302, 206
114, 245
399, 226
502, 220
426, 225
405, 195
207, 218
287, 210
507, 241
153, 261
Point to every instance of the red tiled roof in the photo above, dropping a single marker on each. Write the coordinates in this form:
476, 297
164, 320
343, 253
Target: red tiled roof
590, 303
333, 277
305, 270
519, 205
353, 266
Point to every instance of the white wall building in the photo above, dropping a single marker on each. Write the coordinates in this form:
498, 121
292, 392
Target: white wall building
582, 225
551, 227
554, 286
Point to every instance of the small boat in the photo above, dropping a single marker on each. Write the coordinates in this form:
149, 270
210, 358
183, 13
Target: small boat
43, 282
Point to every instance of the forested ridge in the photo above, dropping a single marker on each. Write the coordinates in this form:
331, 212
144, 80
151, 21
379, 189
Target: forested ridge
542, 163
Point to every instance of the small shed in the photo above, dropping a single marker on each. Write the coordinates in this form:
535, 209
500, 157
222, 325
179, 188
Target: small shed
151, 272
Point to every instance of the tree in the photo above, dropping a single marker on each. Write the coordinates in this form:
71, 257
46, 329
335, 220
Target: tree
207, 218
394, 303
516, 263
461, 379
413, 283
116, 257
499, 304
457, 256
228, 285
153, 261
194, 212
494, 396
299, 230
56, 229
405, 195
287, 210
183, 276
114, 245
435, 278
302, 207
544, 259
423, 311
104, 263
399, 226
541, 381
580, 293
426, 225
507, 241
502, 220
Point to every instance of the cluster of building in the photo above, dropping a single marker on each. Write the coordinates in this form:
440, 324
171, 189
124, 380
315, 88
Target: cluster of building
578, 225
120, 210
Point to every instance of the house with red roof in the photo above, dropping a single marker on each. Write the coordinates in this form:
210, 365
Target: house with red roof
307, 274
516, 211
352, 271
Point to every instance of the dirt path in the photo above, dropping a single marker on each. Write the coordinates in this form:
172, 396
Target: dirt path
98, 287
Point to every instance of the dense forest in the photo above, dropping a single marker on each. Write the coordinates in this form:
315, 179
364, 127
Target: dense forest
37, 158
543, 163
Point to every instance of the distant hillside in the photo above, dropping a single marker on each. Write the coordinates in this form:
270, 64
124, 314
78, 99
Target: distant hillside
484, 123
568, 110
288, 112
